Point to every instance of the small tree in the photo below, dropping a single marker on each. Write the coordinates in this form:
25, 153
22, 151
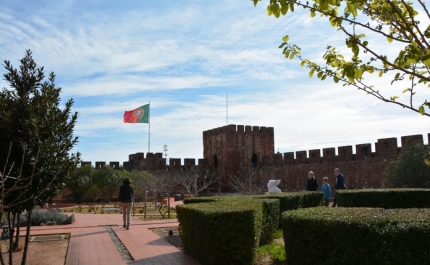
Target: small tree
196, 179
31, 118
80, 183
250, 181
411, 169
107, 181
142, 182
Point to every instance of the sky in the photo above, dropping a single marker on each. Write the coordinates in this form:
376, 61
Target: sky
200, 65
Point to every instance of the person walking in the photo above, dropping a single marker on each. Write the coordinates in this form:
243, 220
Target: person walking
339, 183
126, 200
311, 183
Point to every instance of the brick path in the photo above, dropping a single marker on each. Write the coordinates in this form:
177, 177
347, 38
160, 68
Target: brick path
90, 243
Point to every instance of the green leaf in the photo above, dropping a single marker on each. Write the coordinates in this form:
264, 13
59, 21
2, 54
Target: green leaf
286, 38
406, 90
311, 73
381, 73
291, 56
269, 10
336, 79
389, 39
312, 13
284, 9
421, 110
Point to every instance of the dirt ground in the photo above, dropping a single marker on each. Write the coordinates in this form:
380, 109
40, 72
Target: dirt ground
39, 253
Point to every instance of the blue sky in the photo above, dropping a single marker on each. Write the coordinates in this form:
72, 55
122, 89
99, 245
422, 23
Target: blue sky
183, 57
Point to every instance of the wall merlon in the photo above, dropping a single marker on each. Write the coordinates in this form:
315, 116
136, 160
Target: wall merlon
231, 128
248, 128
410, 139
114, 165
100, 164
255, 128
241, 128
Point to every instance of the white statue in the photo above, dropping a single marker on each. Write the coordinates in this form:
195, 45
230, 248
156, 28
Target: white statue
271, 186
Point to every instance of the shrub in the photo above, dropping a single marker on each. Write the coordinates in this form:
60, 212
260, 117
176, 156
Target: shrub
47, 217
221, 233
356, 236
385, 198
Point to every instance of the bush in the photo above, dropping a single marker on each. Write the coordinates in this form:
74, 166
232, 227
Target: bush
356, 236
410, 170
226, 232
384, 198
47, 217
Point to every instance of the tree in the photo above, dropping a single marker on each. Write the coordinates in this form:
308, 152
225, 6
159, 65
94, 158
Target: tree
365, 24
250, 181
142, 182
32, 120
411, 169
196, 179
107, 180
80, 183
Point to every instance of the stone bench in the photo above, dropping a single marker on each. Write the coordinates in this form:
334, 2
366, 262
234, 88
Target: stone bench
110, 209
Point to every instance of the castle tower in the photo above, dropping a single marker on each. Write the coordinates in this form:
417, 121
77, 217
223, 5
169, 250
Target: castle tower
231, 148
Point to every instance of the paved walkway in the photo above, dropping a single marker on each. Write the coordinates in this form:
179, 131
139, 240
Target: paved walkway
90, 243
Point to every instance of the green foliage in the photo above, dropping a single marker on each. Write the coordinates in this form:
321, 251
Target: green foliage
366, 24
274, 250
384, 198
410, 170
221, 233
32, 120
141, 181
323, 235
202, 242
107, 181
80, 183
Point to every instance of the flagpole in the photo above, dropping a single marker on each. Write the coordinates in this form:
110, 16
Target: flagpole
226, 103
149, 127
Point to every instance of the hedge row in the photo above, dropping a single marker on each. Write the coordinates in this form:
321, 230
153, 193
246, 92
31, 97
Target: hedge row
356, 236
384, 198
229, 229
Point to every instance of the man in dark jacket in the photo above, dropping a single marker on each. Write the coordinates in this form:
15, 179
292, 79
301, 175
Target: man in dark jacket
339, 184
125, 197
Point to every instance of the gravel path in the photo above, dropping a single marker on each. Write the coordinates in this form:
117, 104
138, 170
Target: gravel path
119, 245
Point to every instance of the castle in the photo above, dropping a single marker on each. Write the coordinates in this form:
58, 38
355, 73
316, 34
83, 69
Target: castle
234, 147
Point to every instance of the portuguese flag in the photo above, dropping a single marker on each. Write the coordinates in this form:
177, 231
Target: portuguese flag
139, 115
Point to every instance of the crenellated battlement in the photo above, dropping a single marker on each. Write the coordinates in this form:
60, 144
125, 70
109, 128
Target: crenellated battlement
232, 148
386, 148
152, 162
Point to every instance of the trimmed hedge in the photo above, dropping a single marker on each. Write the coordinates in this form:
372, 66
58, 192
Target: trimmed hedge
221, 233
200, 219
296, 200
384, 198
356, 236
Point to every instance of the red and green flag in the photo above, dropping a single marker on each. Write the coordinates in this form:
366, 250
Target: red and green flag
139, 115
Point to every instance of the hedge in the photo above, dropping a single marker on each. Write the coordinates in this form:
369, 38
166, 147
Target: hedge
221, 233
356, 236
384, 198
228, 229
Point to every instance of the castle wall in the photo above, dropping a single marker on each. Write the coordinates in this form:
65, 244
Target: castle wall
232, 148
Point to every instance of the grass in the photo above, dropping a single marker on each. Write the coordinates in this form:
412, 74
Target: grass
274, 250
